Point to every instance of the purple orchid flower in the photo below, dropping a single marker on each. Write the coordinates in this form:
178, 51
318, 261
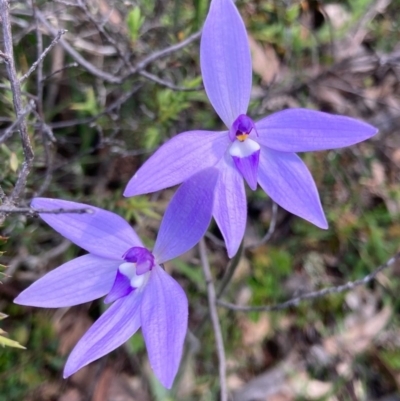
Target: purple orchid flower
119, 267
258, 152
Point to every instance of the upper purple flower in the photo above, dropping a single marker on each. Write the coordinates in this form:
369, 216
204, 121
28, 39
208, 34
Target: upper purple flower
119, 267
260, 151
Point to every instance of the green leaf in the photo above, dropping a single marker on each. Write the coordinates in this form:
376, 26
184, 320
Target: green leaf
134, 21
89, 106
14, 162
6, 342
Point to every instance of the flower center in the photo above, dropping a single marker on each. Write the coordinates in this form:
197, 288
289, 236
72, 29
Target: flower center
241, 128
143, 258
245, 151
130, 272
133, 274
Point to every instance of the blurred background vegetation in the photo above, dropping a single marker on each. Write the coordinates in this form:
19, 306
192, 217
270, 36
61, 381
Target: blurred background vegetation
90, 133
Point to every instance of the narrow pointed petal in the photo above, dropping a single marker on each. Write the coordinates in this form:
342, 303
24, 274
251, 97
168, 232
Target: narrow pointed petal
121, 288
101, 233
187, 217
302, 130
287, 180
226, 61
164, 314
78, 281
114, 327
177, 160
230, 207
246, 157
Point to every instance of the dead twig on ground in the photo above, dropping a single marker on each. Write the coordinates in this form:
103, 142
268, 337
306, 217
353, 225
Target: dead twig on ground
312, 295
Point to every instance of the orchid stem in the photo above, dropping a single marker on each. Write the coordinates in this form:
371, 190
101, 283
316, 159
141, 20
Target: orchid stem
212, 302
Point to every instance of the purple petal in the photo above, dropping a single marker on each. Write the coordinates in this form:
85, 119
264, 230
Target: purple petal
230, 207
187, 217
164, 315
287, 180
246, 155
121, 288
78, 281
248, 167
177, 160
226, 61
114, 327
101, 233
302, 130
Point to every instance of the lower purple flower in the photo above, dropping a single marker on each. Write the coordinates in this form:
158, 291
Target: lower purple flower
119, 267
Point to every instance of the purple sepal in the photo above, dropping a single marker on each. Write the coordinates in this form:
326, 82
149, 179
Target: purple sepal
225, 61
302, 130
288, 182
121, 288
114, 327
248, 167
143, 258
164, 316
187, 216
99, 232
230, 208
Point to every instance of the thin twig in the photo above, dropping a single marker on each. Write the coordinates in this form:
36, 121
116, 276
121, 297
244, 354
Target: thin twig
70, 65
229, 272
16, 92
105, 76
2, 195
116, 104
35, 212
45, 131
165, 52
43, 55
10, 130
212, 299
270, 231
312, 295
168, 84
216, 241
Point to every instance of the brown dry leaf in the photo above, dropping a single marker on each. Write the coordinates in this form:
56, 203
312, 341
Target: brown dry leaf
337, 14
71, 395
332, 97
234, 382
396, 156
115, 386
360, 336
242, 270
281, 396
254, 332
272, 383
263, 386
378, 173
265, 61
70, 328
304, 386
113, 16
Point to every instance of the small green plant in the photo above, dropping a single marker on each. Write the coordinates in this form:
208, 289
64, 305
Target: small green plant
134, 21
7, 342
